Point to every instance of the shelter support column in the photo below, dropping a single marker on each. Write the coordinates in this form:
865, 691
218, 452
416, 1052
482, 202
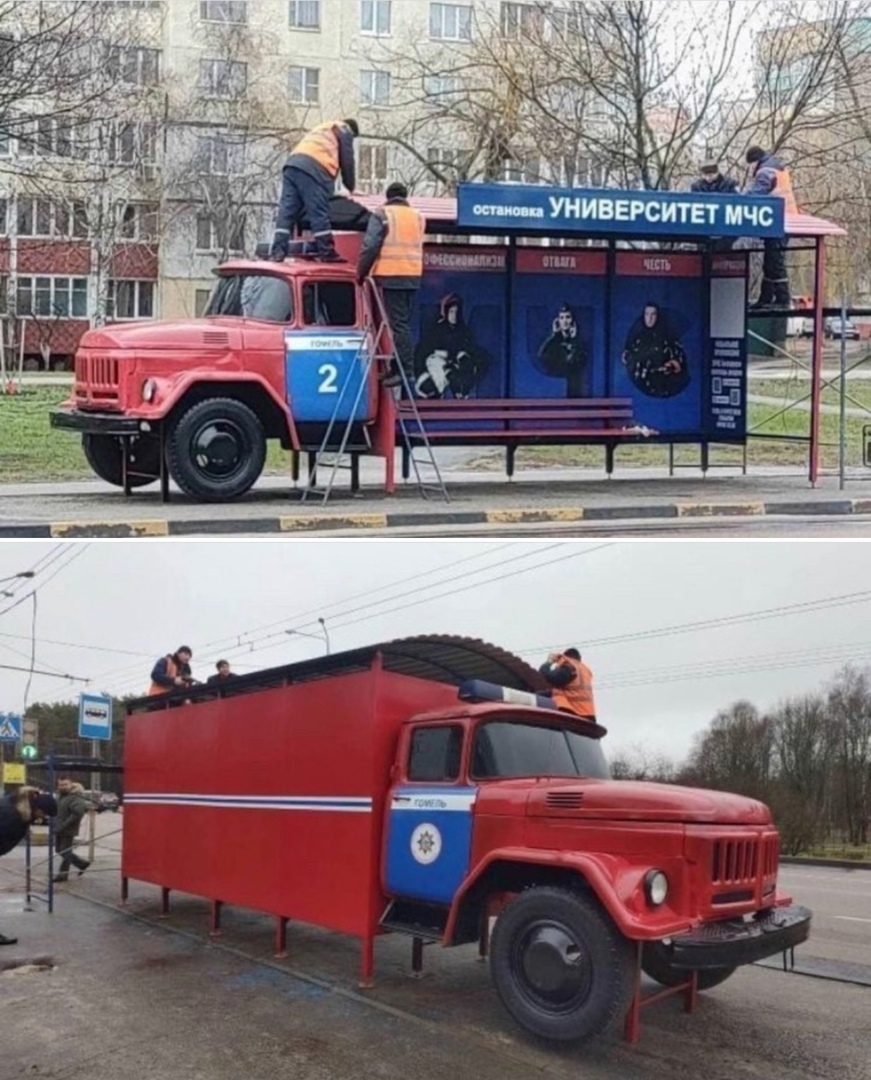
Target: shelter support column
817, 360
367, 963
281, 937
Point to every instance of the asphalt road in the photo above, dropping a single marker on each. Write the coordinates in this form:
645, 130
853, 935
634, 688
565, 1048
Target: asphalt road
134, 996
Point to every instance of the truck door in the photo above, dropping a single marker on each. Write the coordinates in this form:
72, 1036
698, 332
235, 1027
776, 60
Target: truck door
429, 830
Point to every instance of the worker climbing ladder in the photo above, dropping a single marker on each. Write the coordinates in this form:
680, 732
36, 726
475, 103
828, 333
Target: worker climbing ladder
377, 351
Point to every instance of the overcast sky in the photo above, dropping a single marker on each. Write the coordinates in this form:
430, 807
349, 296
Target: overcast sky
148, 597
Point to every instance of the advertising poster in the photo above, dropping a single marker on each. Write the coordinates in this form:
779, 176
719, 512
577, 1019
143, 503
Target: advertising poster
658, 347
459, 323
727, 399
558, 324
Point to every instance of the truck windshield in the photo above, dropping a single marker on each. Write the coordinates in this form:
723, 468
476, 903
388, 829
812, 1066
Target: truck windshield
252, 296
505, 749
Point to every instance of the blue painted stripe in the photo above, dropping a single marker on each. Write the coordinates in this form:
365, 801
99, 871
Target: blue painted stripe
346, 804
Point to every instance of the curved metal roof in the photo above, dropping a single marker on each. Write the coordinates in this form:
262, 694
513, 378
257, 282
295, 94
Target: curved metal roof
451, 659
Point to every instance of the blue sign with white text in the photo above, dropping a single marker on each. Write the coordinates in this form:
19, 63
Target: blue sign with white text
95, 716
10, 727
325, 376
601, 211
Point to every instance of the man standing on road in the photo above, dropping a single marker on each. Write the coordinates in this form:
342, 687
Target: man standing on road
71, 808
172, 672
393, 253
308, 181
572, 683
18, 812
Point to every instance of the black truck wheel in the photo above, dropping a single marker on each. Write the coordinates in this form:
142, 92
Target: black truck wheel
656, 963
104, 454
560, 965
216, 450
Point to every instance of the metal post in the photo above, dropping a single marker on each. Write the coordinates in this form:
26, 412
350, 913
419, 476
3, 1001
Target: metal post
92, 813
842, 452
817, 364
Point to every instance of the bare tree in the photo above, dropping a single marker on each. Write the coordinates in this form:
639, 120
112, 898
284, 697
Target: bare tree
849, 703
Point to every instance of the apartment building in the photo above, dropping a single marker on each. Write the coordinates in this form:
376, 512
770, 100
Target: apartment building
215, 92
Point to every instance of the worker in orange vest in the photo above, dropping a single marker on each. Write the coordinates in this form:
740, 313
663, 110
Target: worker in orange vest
392, 252
771, 178
308, 181
572, 683
171, 672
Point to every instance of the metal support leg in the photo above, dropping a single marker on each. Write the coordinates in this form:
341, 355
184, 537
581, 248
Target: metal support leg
125, 891
164, 903
510, 451
125, 467
280, 937
355, 473
164, 471
312, 469
609, 458
671, 459
294, 466
705, 457
367, 964
215, 918
691, 997
632, 1027
417, 957
484, 936
406, 463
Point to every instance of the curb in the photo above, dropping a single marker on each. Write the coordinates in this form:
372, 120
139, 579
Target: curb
836, 864
308, 523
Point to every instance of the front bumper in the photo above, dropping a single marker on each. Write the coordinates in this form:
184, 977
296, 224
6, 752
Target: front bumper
95, 423
735, 942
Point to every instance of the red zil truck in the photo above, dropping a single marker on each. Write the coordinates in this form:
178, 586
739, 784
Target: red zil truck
426, 787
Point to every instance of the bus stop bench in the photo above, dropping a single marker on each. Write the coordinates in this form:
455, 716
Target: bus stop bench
513, 423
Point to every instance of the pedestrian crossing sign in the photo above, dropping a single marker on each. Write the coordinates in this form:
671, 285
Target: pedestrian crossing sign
10, 727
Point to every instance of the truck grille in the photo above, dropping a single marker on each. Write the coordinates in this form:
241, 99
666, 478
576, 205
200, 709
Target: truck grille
97, 379
564, 800
738, 862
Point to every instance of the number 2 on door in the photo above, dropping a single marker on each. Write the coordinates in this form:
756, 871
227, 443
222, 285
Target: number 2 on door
328, 373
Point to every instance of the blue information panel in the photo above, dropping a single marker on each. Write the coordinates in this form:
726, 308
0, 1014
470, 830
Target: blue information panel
95, 716
10, 727
325, 369
598, 211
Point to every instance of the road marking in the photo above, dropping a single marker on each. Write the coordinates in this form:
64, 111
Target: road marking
851, 918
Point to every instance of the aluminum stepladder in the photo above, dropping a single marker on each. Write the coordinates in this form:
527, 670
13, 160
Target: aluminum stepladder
375, 352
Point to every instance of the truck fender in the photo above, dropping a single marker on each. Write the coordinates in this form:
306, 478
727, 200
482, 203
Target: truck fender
191, 379
613, 880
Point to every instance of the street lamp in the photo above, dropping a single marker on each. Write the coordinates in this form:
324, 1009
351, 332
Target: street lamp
325, 637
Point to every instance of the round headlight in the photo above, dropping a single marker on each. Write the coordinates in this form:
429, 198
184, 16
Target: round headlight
149, 390
655, 887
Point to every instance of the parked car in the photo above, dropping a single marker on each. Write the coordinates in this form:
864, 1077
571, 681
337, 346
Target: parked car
104, 800
838, 328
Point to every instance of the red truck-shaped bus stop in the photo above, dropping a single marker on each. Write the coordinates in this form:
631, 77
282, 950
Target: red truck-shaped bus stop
635, 331
425, 787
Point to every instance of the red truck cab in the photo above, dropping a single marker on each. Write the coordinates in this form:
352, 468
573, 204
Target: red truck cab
397, 789
204, 396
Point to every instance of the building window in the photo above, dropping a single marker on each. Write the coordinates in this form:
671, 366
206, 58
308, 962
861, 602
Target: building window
522, 169
201, 301
304, 85
5, 144
60, 297
133, 144
375, 88
521, 20
43, 217
223, 78
218, 156
215, 235
439, 89
450, 22
48, 136
372, 166
139, 222
4, 215
134, 65
375, 17
304, 14
226, 11
130, 300
4, 294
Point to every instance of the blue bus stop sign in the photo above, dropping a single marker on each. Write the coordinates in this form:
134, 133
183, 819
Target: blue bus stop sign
95, 716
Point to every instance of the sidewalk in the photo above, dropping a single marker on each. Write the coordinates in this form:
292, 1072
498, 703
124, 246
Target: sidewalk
91, 508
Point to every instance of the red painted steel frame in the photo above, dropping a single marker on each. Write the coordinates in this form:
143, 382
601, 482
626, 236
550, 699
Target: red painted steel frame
817, 361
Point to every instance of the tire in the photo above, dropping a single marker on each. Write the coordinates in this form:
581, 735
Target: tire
565, 1000
216, 450
104, 456
655, 963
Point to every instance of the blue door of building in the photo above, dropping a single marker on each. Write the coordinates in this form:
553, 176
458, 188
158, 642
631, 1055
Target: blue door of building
429, 841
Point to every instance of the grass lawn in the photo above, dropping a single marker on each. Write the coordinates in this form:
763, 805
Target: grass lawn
30, 450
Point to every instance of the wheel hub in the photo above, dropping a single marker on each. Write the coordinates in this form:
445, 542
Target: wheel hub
218, 449
553, 964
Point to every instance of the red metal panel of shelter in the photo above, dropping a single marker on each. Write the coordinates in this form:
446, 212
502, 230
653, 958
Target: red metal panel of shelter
246, 800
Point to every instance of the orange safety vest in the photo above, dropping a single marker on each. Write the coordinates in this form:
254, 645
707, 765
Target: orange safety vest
171, 671
402, 251
783, 188
577, 697
322, 145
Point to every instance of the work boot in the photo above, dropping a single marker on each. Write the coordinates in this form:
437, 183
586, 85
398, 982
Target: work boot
4, 940
277, 256
82, 869
331, 256
59, 879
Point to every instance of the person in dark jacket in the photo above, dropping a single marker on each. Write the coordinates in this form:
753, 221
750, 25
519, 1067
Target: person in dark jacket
448, 359
392, 253
308, 181
223, 674
72, 805
771, 178
346, 215
563, 355
654, 357
28, 806
712, 182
